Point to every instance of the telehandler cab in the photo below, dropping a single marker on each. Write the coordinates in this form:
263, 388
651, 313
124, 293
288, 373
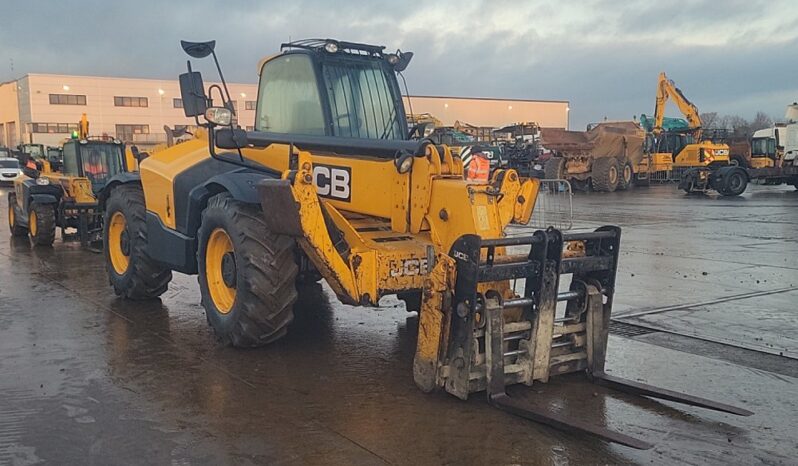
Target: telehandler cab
330, 183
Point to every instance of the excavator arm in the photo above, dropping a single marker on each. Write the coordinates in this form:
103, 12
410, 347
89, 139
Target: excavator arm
666, 89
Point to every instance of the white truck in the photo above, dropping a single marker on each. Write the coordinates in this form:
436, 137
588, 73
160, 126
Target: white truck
774, 155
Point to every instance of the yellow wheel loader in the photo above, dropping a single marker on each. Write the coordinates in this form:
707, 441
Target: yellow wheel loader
329, 184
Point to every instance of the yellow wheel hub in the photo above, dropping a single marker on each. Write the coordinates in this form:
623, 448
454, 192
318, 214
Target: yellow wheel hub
220, 270
118, 243
32, 227
11, 219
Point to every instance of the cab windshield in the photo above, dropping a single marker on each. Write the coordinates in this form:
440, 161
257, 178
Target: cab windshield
763, 146
363, 99
100, 162
33, 151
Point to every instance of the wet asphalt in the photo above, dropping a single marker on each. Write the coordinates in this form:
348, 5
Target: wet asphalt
706, 303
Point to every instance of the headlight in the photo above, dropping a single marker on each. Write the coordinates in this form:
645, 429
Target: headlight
219, 116
404, 163
331, 47
42, 181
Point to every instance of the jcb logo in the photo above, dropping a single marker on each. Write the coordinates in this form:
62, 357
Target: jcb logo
461, 255
333, 182
409, 267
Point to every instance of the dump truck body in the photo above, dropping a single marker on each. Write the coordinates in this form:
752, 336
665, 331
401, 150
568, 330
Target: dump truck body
606, 157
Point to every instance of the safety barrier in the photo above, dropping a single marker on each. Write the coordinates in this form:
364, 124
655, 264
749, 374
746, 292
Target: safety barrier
554, 205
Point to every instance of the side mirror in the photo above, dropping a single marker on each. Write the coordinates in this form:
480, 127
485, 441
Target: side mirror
231, 138
192, 92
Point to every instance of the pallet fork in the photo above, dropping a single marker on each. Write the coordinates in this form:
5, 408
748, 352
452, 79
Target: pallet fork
539, 345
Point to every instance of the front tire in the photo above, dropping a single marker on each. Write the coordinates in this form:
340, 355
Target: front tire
247, 274
14, 226
132, 273
41, 224
554, 168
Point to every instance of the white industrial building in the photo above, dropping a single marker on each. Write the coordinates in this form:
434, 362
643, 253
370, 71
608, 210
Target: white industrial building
45, 108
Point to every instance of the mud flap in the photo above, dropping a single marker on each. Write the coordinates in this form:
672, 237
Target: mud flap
280, 208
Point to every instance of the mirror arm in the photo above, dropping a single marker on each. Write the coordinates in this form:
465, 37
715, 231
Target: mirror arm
224, 83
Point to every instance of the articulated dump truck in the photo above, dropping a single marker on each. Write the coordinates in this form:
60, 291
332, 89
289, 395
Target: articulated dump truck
608, 156
330, 184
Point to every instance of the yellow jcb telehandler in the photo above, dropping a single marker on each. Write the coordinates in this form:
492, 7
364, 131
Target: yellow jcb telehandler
44, 200
330, 183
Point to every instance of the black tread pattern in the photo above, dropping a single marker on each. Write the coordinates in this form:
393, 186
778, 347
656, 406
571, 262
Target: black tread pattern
45, 225
600, 174
17, 230
623, 185
554, 169
144, 278
267, 272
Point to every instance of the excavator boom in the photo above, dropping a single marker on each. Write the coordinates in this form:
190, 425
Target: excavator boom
666, 89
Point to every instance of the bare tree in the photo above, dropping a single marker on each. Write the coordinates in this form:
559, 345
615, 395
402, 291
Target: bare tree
761, 121
709, 120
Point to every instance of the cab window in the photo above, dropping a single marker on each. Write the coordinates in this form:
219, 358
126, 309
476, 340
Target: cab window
288, 98
100, 162
71, 159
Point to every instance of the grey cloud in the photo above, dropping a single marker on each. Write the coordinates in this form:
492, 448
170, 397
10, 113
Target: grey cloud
614, 76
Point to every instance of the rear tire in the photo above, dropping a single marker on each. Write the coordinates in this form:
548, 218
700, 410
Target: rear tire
626, 175
734, 182
14, 226
247, 274
554, 169
134, 275
41, 224
605, 174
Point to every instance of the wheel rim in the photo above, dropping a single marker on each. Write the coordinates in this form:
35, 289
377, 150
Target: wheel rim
118, 243
220, 270
11, 220
627, 173
32, 226
613, 175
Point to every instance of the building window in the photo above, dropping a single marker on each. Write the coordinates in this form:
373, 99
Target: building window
177, 103
53, 127
249, 105
67, 99
126, 132
131, 102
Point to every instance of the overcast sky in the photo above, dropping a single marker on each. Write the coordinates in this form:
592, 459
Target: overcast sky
733, 56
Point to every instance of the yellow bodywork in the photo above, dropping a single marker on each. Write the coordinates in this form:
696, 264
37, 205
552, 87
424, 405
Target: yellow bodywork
400, 227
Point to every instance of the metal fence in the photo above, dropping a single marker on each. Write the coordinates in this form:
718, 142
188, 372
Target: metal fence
554, 206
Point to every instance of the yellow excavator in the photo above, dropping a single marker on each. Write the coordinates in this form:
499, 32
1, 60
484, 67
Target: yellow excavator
330, 184
685, 151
